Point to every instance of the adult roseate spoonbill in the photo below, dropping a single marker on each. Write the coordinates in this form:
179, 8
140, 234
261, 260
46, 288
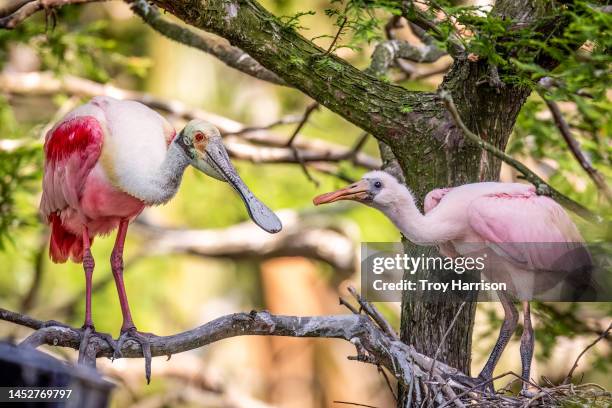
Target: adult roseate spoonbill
486, 215
104, 163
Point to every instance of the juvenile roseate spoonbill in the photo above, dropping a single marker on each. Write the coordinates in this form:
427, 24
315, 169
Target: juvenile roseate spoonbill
104, 163
497, 216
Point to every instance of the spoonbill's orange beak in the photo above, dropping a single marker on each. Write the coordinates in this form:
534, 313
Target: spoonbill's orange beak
357, 191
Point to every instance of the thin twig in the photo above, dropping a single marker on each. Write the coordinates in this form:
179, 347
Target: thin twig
386, 377
335, 40
350, 307
309, 110
601, 336
358, 146
371, 310
285, 120
355, 404
574, 147
446, 333
542, 187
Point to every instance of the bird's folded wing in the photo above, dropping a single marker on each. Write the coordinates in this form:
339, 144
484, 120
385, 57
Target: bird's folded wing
72, 149
531, 230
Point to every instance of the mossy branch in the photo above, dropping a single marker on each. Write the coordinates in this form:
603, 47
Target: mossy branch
232, 56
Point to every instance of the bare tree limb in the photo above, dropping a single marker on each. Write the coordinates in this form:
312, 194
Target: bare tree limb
314, 237
28, 8
244, 143
574, 146
387, 52
603, 335
9, 7
391, 353
542, 187
419, 19
220, 48
371, 311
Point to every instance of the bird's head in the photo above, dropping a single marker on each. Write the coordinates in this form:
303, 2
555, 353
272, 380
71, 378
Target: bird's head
376, 189
202, 144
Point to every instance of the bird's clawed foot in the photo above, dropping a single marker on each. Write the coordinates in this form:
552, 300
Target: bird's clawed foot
482, 383
144, 339
87, 333
526, 393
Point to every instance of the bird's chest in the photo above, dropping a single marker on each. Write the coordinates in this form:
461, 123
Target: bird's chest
101, 199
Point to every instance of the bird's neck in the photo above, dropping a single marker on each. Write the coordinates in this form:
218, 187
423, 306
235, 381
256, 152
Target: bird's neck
416, 227
164, 182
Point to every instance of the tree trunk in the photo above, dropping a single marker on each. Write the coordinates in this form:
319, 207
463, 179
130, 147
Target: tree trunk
491, 113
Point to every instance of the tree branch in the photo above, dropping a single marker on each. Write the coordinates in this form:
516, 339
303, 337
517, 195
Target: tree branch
232, 56
419, 20
542, 187
315, 237
257, 145
387, 52
603, 335
9, 7
28, 8
400, 359
365, 101
574, 146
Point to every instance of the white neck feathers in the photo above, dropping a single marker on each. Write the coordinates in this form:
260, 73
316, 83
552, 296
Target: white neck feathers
404, 213
163, 182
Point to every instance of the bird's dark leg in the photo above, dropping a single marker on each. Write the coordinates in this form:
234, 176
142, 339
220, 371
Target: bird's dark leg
88, 327
505, 333
527, 345
128, 329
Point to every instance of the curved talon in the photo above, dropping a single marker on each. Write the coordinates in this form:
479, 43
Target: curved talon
85, 336
141, 338
87, 332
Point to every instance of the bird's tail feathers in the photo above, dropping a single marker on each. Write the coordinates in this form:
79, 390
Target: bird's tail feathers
63, 243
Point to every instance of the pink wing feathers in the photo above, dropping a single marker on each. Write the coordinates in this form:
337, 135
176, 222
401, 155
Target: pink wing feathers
531, 230
433, 198
71, 150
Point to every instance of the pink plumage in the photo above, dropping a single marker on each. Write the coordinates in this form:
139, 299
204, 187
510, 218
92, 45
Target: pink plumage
529, 242
76, 194
104, 162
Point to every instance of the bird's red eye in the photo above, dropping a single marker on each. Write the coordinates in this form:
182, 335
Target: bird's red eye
199, 137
